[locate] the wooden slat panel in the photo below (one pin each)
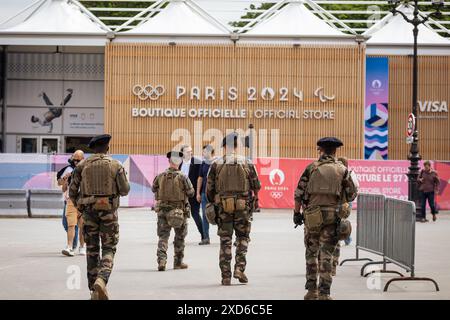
(340, 70)
(434, 84)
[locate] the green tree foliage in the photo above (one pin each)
(120, 14)
(252, 15)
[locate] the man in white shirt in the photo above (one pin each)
(186, 164)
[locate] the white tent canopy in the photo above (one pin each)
(57, 22)
(394, 35)
(180, 18)
(294, 20)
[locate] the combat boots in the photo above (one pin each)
(226, 281)
(178, 264)
(311, 295)
(162, 265)
(100, 291)
(240, 275)
(94, 295)
(324, 296)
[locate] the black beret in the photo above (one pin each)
(230, 140)
(174, 154)
(102, 139)
(330, 142)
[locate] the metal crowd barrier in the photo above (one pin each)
(386, 227)
(46, 203)
(13, 203)
(369, 227)
(400, 239)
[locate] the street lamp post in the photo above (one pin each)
(414, 156)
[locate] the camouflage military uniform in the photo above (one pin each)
(163, 207)
(320, 245)
(99, 206)
(238, 221)
(336, 255)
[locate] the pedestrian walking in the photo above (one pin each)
(190, 167)
(97, 183)
(322, 189)
(72, 220)
(172, 190)
(208, 158)
(230, 182)
(428, 181)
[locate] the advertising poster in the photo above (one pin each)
(34, 120)
(443, 195)
(279, 178)
(376, 109)
(382, 177)
(83, 121)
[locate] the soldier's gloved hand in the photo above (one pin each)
(298, 218)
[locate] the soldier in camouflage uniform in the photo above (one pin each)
(323, 187)
(232, 186)
(97, 182)
(172, 190)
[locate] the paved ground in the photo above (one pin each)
(31, 266)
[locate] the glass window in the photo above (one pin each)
(28, 145)
(49, 145)
(77, 143)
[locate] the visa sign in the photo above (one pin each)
(433, 106)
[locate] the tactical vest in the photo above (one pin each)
(232, 177)
(326, 178)
(98, 177)
(171, 187)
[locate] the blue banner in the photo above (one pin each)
(376, 109)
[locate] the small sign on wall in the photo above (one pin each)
(83, 121)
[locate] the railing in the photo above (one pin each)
(386, 227)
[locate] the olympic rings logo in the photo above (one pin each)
(148, 92)
(276, 195)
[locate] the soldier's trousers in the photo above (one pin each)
(104, 226)
(336, 255)
(320, 247)
(163, 232)
(239, 222)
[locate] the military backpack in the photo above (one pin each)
(232, 181)
(232, 178)
(98, 177)
(326, 178)
(171, 187)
